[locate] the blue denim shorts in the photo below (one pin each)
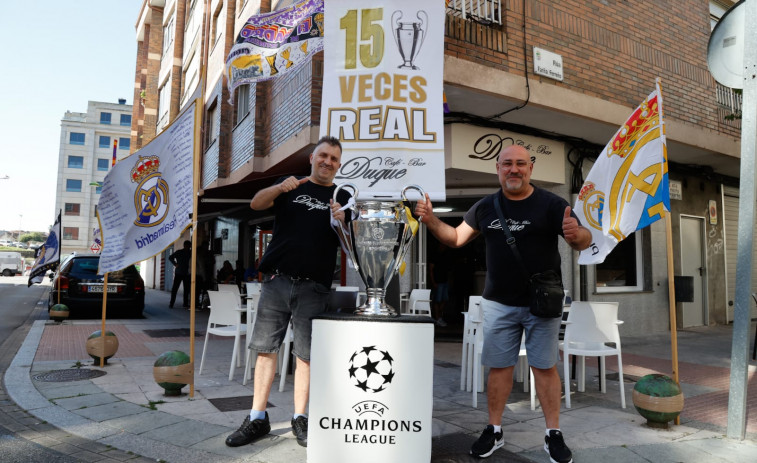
(283, 298)
(503, 330)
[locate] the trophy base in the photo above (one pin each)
(408, 66)
(376, 306)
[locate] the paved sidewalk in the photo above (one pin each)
(125, 411)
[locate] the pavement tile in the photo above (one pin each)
(112, 410)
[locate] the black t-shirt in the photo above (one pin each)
(181, 258)
(303, 243)
(535, 223)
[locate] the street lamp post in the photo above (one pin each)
(20, 216)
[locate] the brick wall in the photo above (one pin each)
(289, 104)
(611, 49)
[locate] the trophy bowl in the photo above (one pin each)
(377, 239)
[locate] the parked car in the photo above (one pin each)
(11, 263)
(81, 288)
(7, 243)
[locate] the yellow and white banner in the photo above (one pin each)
(627, 188)
(382, 94)
(146, 199)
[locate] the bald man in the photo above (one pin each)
(536, 218)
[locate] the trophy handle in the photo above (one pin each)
(342, 230)
(395, 22)
(424, 22)
(413, 187)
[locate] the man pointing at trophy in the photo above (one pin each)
(534, 218)
(297, 267)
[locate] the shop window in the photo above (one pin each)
(622, 270)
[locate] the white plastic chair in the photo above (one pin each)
(521, 368)
(225, 319)
(466, 367)
(234, 289)
(420, 302)
(589, 328)
(287, 347)
(253, 299)
(476, 320)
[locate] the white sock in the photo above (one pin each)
(297, 415)
(551, 429)
(257, 415)
(497, 428)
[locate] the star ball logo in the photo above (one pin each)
(151, 195)
(371, 369)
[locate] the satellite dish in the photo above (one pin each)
(725, 52)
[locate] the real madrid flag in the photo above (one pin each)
(627, 188)
(48, 255)
(146, 198)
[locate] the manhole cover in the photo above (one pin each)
(73, 374)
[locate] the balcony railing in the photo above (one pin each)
(482, 11)
(729, 106)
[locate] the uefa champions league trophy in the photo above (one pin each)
(409, 37)
(377, 239)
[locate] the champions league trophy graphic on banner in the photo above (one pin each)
(409, 37)
(377, 240)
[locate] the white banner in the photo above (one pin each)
(627, 188)
(146, 199)
(382, 94)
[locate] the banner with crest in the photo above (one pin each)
(382, 94)
(47, 256)
(146, 199)
(273, 43)
(627, 188)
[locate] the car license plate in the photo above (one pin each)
(99, 289)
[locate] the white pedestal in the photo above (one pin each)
(371, 389)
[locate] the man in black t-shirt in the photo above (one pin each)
(297, 269)
(536, 218)
(181, 276)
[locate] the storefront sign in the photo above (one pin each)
(476, 148)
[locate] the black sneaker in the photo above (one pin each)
(249, 431)
(300, 430)
(487, 443)
(555, 446)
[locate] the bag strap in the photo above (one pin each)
(508, 234)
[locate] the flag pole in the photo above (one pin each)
(60, 246)
(199, 109)
(102, 329)
(671, 269)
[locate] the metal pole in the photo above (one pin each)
(741, 322)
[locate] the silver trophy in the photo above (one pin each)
(409, 37)
(377, 239)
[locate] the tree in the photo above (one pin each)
(33, 236)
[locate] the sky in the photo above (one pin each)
(75, 51)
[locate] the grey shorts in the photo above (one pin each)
(281, 299)
(503, 330)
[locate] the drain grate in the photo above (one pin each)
(232, 404)
(72, 374)
(172, 333)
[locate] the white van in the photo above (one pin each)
(11, 263)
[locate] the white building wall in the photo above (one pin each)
(89, 124)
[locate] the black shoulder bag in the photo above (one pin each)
(545, 289)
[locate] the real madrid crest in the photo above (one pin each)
(151, 195)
